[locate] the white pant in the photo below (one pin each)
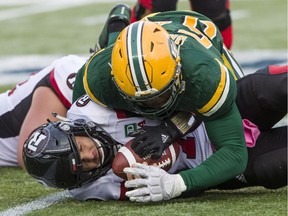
(8, 151)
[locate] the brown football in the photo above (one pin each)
(125, 157)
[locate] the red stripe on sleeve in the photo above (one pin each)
(55, 86)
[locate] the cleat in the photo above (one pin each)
(120, 12)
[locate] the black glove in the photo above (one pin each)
(153, 140)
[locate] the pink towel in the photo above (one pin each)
(251, 133)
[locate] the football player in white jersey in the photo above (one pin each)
(85, 168)
(30, 103)
(118, 125)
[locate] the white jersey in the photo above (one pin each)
(15, 103)
(195, 147)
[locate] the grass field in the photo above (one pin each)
(44, 29)
(258, 24)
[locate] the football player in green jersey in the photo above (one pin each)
(218, 11)
(173, 66)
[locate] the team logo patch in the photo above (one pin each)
(130, 128)
(71, 80)
(37, 143)
(83, 101)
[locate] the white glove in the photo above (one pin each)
(155, 185)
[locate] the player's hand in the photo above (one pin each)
(153, 140)
(154, 185)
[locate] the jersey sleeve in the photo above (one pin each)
(108, 187)
(62, 77)
(84, 108)
(216, 92)
(229, 160)
(213, 90)
(95, 80)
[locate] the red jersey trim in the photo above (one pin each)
(120, 114)
(57, 90)
(123, 190)
(273, 69)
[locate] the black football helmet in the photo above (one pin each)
(51, 155)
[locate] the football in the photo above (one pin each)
(125, 157)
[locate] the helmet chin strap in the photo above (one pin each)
(62, 118)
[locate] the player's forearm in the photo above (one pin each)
(221, 166)
(230, 158)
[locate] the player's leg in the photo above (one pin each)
(145, 7)
(219, 13)
(262, 96)
(8, 151)
(118, 19)
(267, 162)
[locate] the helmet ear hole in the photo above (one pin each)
(120, 53)
(151, 47)
(156, 30)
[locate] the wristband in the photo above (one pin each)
(183, 121)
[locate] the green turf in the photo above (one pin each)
(59, 32)
(17, 187)
(63, 32)
(6, 87)
(244, 202)
(265, 27)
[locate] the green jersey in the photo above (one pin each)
(209, 72)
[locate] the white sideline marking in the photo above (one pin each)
(36, 204)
